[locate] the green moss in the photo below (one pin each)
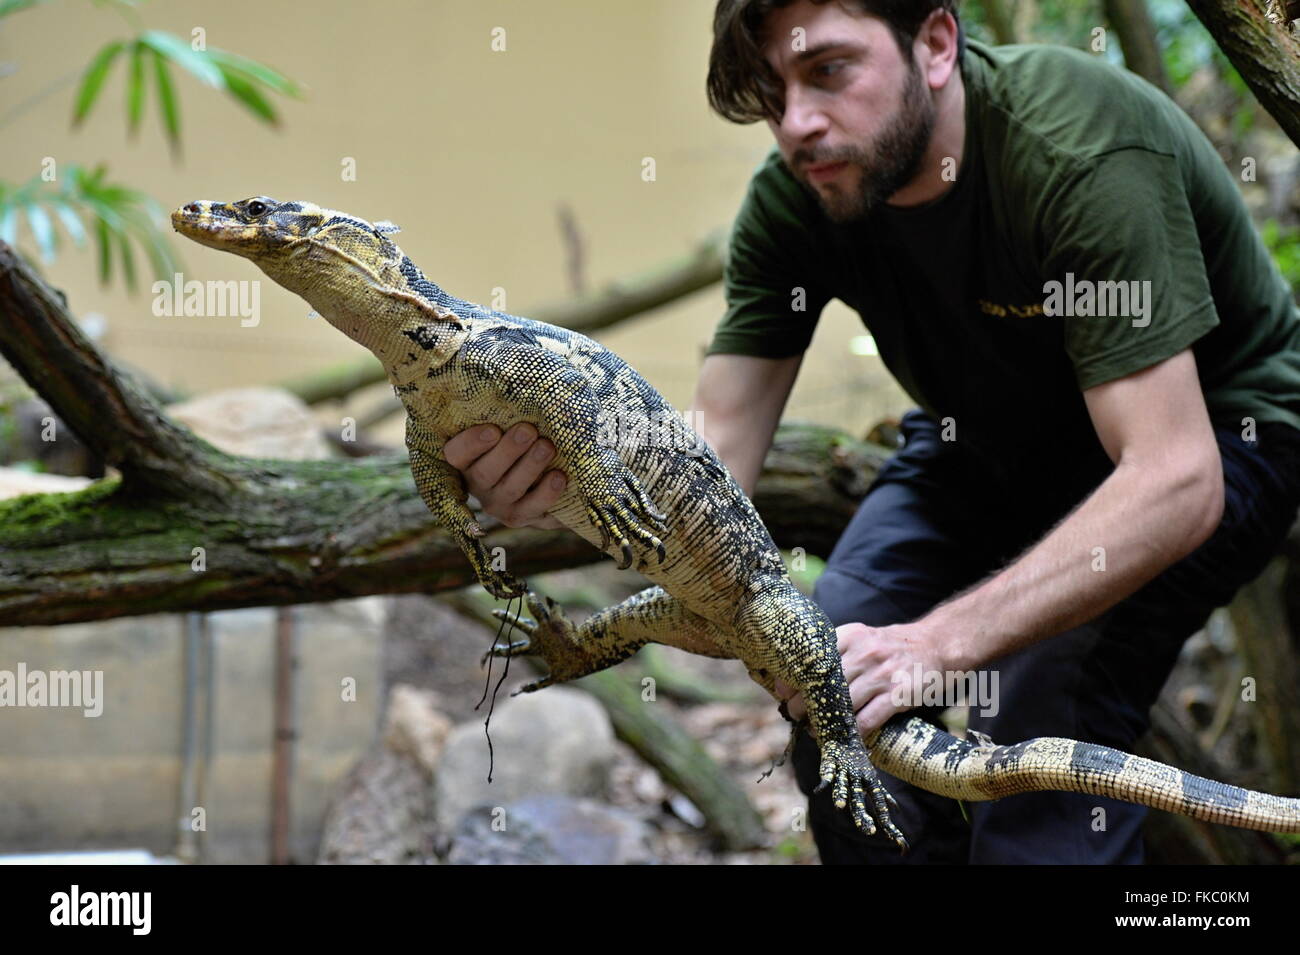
(36, 512)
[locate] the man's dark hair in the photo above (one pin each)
(743, 87)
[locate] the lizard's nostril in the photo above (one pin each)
(193, 207)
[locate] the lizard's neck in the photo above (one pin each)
(390, 309)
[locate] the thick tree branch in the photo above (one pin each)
(304, 531)
(1264, 52)
(107, 409)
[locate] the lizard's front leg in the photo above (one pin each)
(443, 491)
(539, 384)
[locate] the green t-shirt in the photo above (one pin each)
(1073, 171)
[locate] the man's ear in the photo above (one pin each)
(937, 47)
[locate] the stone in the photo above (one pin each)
(550, 830)
(556, 741)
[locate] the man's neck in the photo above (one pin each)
(942, 159)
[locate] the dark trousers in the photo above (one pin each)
(931, 525)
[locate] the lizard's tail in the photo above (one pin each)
(924, 755)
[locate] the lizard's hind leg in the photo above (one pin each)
(606, 638)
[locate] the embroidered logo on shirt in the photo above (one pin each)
(1002, 311)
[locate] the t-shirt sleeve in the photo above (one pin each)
(1124, 226)
(773, 297)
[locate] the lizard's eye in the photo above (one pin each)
(256, 209)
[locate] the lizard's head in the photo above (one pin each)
(263, 229)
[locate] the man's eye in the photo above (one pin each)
(828, 69)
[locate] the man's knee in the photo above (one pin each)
(1056, 828)
(845, 598)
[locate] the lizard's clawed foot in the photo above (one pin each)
(549, 635)
(848, 769)
(495, 581)
(618, 507)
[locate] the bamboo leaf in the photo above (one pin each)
(243, 90)
(180, 53)
(13, 6)
(87, 204)
(128, 260)
(104, 243)
(135, 88)
(258, 72)
(93, 80)
(71, 222)
(38, 220)
(167, 101)
(8, 225)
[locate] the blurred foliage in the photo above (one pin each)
(1284, 246)
(118, 215)
(78, 202)
(1185, 43)
(804, 569)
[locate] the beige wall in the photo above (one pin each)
(470, 151)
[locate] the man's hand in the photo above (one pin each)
(880, 664)
(505, 473)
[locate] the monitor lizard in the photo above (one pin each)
(646, 490)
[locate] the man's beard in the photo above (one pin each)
(885, 165)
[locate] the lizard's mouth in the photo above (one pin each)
(196, 221)
(211, 224)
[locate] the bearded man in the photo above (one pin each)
(1058, 268)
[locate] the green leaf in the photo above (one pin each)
(38, 220)
(135, 87)
(167, 100)
(180, 53)
(116, 216)
(244, 91)
(103, 241)
(13, 6)
(128, 260)
(257, 72)
(8, 225)
(93, 80)
(71, 223)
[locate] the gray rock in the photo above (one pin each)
(557, 741)
(258, 422)
(383, 812)
(381, 815)
(550, 830)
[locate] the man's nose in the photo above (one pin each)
(803, 117)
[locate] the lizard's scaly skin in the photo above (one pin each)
(647, 491)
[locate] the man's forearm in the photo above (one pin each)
(1129, 530)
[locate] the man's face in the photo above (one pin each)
(858, 116)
